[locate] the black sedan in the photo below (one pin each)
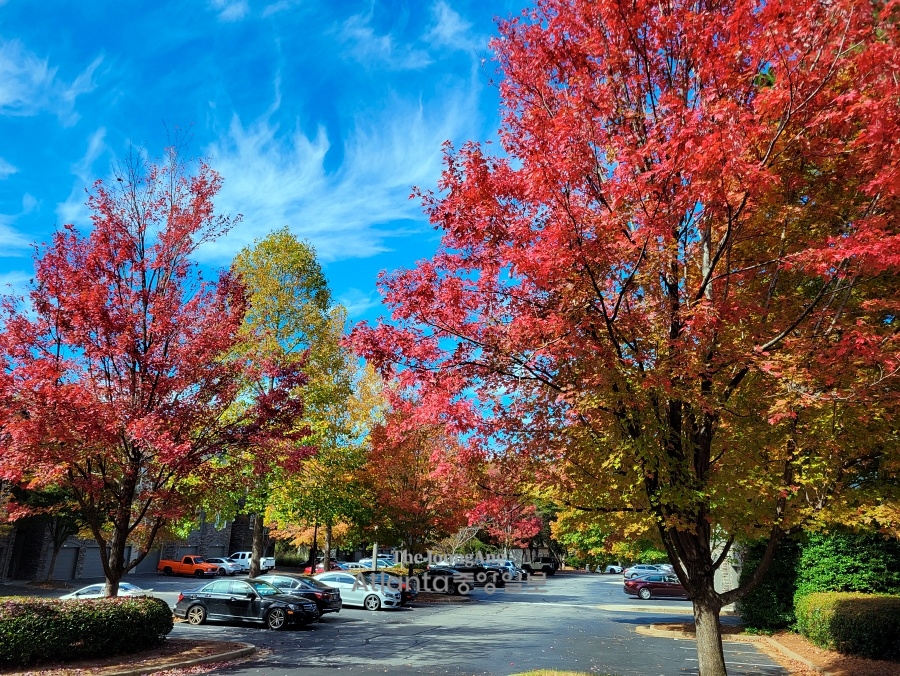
(328, 599)
(244, 601)
(478, 575)
(443, 580)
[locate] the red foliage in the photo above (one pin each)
(506, 520)
(680, 284)
(412, 470)
(116, 379)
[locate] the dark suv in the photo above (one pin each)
(542, 564)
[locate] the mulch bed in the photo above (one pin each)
(688, 627)
(428, 597)
(172, 651)
(834, 662)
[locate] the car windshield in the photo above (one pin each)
(313, 582)
(263, 588)
(381, 577)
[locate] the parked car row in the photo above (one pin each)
(245, 601)
(198, 566)
(279, 600)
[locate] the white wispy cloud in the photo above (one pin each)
(370, 48)
(6, 169)
(277, 178)
(29, 85)
(74, 210)
(230, 10)
(279, 6)
(359, 302)
(451, 30)
(13, 242)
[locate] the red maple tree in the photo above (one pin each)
(419, 490)
(116, 383)
(679, 289)
(507, 520)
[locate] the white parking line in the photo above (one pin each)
(725, 650)
(740, 664)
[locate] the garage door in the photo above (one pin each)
(148, 565)
(186, 551)
(65, 563)
(215, 551)
(93, 566)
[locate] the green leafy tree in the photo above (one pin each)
(344, 400)
(288, 320)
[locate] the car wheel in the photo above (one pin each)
(276, 619)
(223, 572)
(196, 615)
(645, 593)
(198, 574)
(372, 602)
(167, 571)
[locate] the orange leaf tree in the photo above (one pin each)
(679, 287)
(116, 386)
(419, 491)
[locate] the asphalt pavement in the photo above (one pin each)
(579, 622)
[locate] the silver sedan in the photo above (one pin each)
(95, 591)
(226, 565)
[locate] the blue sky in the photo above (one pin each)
(319, 114)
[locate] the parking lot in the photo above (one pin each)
(580, 622)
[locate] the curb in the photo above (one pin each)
(674, 610)
(768, 641)
(248, 649)
(784, 650)
(446, 600)
(671, 633)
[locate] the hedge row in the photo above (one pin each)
(48, 630)
(853, 623)
(819, 562)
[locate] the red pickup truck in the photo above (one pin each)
(189, 565)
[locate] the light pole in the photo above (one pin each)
(375, 550)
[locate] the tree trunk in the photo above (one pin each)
(313, 549)
(259, 545)
(53, 556)
(114, 565)
(326, 564)
(709, 635)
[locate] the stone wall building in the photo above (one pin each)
(26, 551)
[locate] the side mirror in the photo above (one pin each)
(251, 595)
